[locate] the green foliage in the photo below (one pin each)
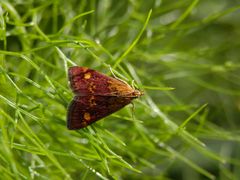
(183, 54)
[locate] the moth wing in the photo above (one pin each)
(85, 81)
(85, 110)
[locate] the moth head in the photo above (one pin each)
(137, 93)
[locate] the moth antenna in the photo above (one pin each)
(117, 77)
(133, 107)
(132, 84)
(110, 68)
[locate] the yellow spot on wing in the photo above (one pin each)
(87, 116)
(84, 124)
(87, 75)
(92, 101)
(91, 87)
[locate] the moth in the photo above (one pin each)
(96, 96)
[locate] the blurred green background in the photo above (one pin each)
(183, 54)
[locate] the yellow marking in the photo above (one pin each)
(84, 124)
(87, 75)
(87, 116)
(91, 87)
(92, 101)
(91, 90)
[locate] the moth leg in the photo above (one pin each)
(133, 108)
